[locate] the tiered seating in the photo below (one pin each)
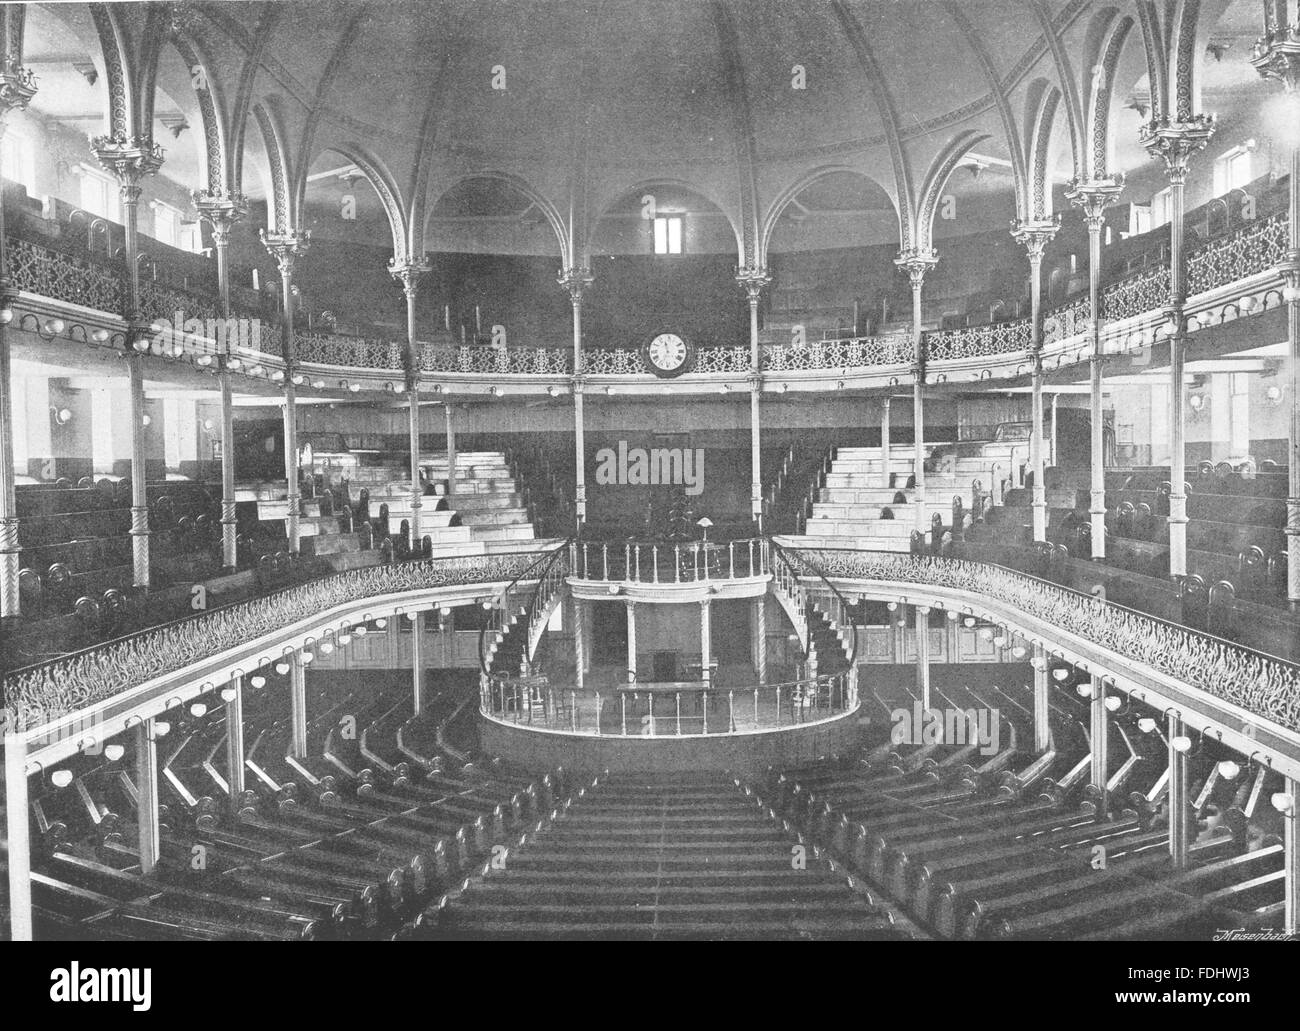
(76, 545)
(1235, 532)
(1008, 844)
(486, 495)
(686, 856)
(341, 843)
(850, 507)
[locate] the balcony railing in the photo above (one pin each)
(40, 693)
(1258, 683)
(95, 282)
(667, 710)
(668, 563)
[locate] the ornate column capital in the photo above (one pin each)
(1094, 195)
(127, 159)
(752, 280)
(1276, 54)
(1035, 234)
(17, 87)
(221, 210)
(1176, 142)
(575, 280)
(286, 247)
(408, 273)
(916, 263)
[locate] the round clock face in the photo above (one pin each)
(667, 353)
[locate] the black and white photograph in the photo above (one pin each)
(651, 470)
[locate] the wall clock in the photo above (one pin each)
(668, 354)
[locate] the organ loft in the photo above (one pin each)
(467, 473)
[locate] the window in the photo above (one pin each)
(171, 228)
(19, 164)
(98, 193)
(1232, 171)
(1160, 207)
(1139, 219)
(668, 234)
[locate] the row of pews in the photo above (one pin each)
(1013, 845)
(687, 856)
(346, 841)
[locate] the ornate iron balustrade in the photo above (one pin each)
(630, 711)
(977, 341)
(41, 693)
(854, 352)
(51, 273)
(1143, 291)
(1256, 682)
(667, 563)
(1250, 250)
(1256, 247)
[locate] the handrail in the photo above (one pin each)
(780, 552)
(666, 562)
(1253, 680)
(57, 687)
(546, 561)
(535, 703)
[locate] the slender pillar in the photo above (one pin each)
(1277, 56)
(286, 247)
(753, 280)
(1042, 702)
(139, 484)
(1099, 739)
(579, 643)
(129, 161)
(146, 789)
(1180, 799)
(922, 614)
(408, 274)
(760, 639)
(1290, 855)
(706, 642)
(417, 663)
(1176, 142)
(1035, 236)
(918, 263)
(221, 211)
(1056, 401)
(1093, 196)
(235, 741)
(18, 836)
(451, 452)
(298, 706)
(631, 641)
(885, 404)
(575, 280)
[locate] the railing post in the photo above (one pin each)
(573, 711)
(298, 705)
(637, 552)
(417, 662)
(731, 559)
(731, 712)
(235, 741)
(18, 827)
(706, 711)
(654, 555)
(678, 695)
(677, 561)
(1180, 802)
(604, 557)
(622, 701)
(146, 787)
(1099, 733)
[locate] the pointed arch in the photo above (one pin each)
(777, 208)
(548, 210)
(742, 132)
(1045, 102)
(1068, 86)
(281, 214)
(119, 87)
(1106, 37)
(385, 187)
(936, 179)
(244, 95)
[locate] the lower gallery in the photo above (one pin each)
(689, 470)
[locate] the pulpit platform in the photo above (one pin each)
(667, 726)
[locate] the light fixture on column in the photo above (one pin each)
(298, 379)
(61, 778)
(1273, 394)
(1146, 724)
(61, 416)
(198, 709)
(1085, 689)
(277, 376)
(114, 752)
(1283, 803)
(1228, 769)
(282, 667)
(229, 694)
(1197, 403)
(233, 363)
(1061, 673)
(1113, 702)
(146, 419)
(6, 315)
(98, 336)
(1181, 743)
(257, 681)
(361, 629)
(161, 728)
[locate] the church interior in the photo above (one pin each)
(650, 470)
